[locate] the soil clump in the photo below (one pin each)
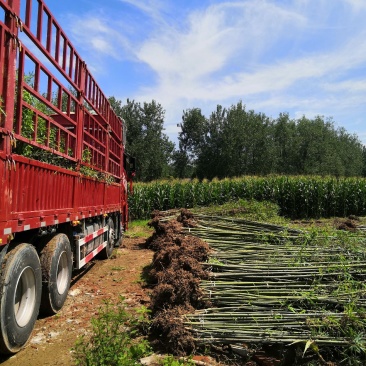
(348, 224)
(175, 273)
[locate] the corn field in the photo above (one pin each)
(296, 196)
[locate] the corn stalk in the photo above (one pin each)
(296, 197)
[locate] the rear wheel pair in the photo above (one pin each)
(110, 237)
(56, 264)
(30, 282)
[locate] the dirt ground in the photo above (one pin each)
(53, 337)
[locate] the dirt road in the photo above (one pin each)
(53, 337)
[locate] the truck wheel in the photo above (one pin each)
(20, 287)
(119, 235)
(56, 263)
(111, 238)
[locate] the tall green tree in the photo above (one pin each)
(285, 145)
(350, 150)
(211, 160)
(324, 150)
(146, 140)
(201, 142)
(249, 143)
(231, 142)
(364, 161)
(234, 142)
(191, 142)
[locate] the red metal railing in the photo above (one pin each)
(52, 107)
(55, 112)
(64, 58)
(76, 100)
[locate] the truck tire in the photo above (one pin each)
(20, 288)
(107, 251)
(56, 264)
(119, 234)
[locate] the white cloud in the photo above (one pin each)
(223, 55)
(286, 73)
(191, 65)
(152, 8)
(299, 55)
(349, 86)
(357, 4)
(213, 37)
(96, 34)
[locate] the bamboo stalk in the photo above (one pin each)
(264, 271)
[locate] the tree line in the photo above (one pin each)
(234, 142)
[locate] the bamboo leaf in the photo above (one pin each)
(307, 345)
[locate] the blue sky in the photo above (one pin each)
(304, 57)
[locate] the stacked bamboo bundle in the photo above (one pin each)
(271, 284)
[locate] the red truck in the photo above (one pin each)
(63, 169)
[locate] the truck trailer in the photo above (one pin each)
(64, 173)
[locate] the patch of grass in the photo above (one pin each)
(213, 260)
(116, 337)
(139, 229)
(115, 254)
(171, 361)
(118, 268)
(247, 209)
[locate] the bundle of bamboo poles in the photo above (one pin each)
(272, 284)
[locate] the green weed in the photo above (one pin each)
(118, 268)
(171, 361)
(139, 229)
(116, 338)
